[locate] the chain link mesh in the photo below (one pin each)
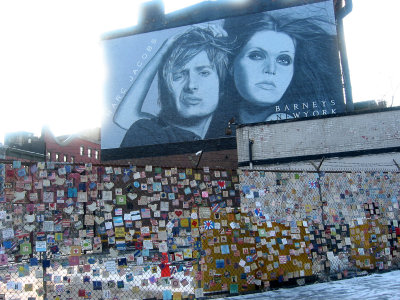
(350, 218)
(170, 233)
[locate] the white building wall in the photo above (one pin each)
(351, 141)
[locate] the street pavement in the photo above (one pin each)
(383, 286)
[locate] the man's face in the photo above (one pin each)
(195, 87)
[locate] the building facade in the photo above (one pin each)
(352, 140)
(77, 148)
(83, 147)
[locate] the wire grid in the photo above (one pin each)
(22, 280)
(367, 202)
(262, 240)
(282, 197)
(247, 259)
(285, 227)
(100, 276)
(350, 219)
(96, 277)
(74, 232)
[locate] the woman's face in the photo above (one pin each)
(263, 69)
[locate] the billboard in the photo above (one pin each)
(179, 87)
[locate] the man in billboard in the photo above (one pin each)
(191, 74)
(282, 64)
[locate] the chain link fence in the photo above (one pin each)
(21, 279)
(350, 219)
(106, 232)
(101, 276)
(101, 232)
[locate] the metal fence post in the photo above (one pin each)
(44, 275)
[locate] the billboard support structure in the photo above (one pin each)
(174, 90)
(343, 12)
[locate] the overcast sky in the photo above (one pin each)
(51, 63)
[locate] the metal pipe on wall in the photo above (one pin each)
(344, 11)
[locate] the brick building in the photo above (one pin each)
(81, 147)
(270, 152)
(222, 159)
(12, 153)
(349, 141)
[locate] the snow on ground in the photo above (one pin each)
(377, 286)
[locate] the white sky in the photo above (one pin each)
(51, 68)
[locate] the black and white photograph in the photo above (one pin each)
(185, 84)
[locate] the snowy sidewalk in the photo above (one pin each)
(377, 286)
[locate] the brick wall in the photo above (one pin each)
(345, 135)
(223, 159)
(71, 148)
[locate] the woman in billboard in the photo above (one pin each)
(282, 68)
(191, 71)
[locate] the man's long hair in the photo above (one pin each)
(185, 48)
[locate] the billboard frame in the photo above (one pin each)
(176, 20)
